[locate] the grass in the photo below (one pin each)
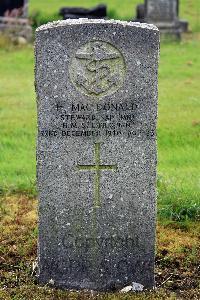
(18, 120)
(176, 260)
(178, 128)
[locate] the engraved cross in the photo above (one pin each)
(97, 167)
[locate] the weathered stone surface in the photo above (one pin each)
(163, 14)
(96, 84)
(162, 10)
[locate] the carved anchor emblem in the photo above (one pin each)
(100, 68)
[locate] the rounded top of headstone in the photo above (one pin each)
(71, 22)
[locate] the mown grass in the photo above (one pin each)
(18, 120)
(179, 130)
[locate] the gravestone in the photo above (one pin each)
(14, 18)
(161, 11)
(97, 12)
(164, 14)
(96, 84)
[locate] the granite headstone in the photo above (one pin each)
(161, 10)
(97, 12)
(164, 14)
(96, 84)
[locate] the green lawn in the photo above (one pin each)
(179, 114)
(121, 9)
(18, 120)
(179, 126)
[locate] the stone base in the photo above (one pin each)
(183, 25)
(16, 27)
(174, 28)
(167, 29)
(172, 33)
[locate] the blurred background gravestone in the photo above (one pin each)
(164, 14)
(97, 12)
(14, 19)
